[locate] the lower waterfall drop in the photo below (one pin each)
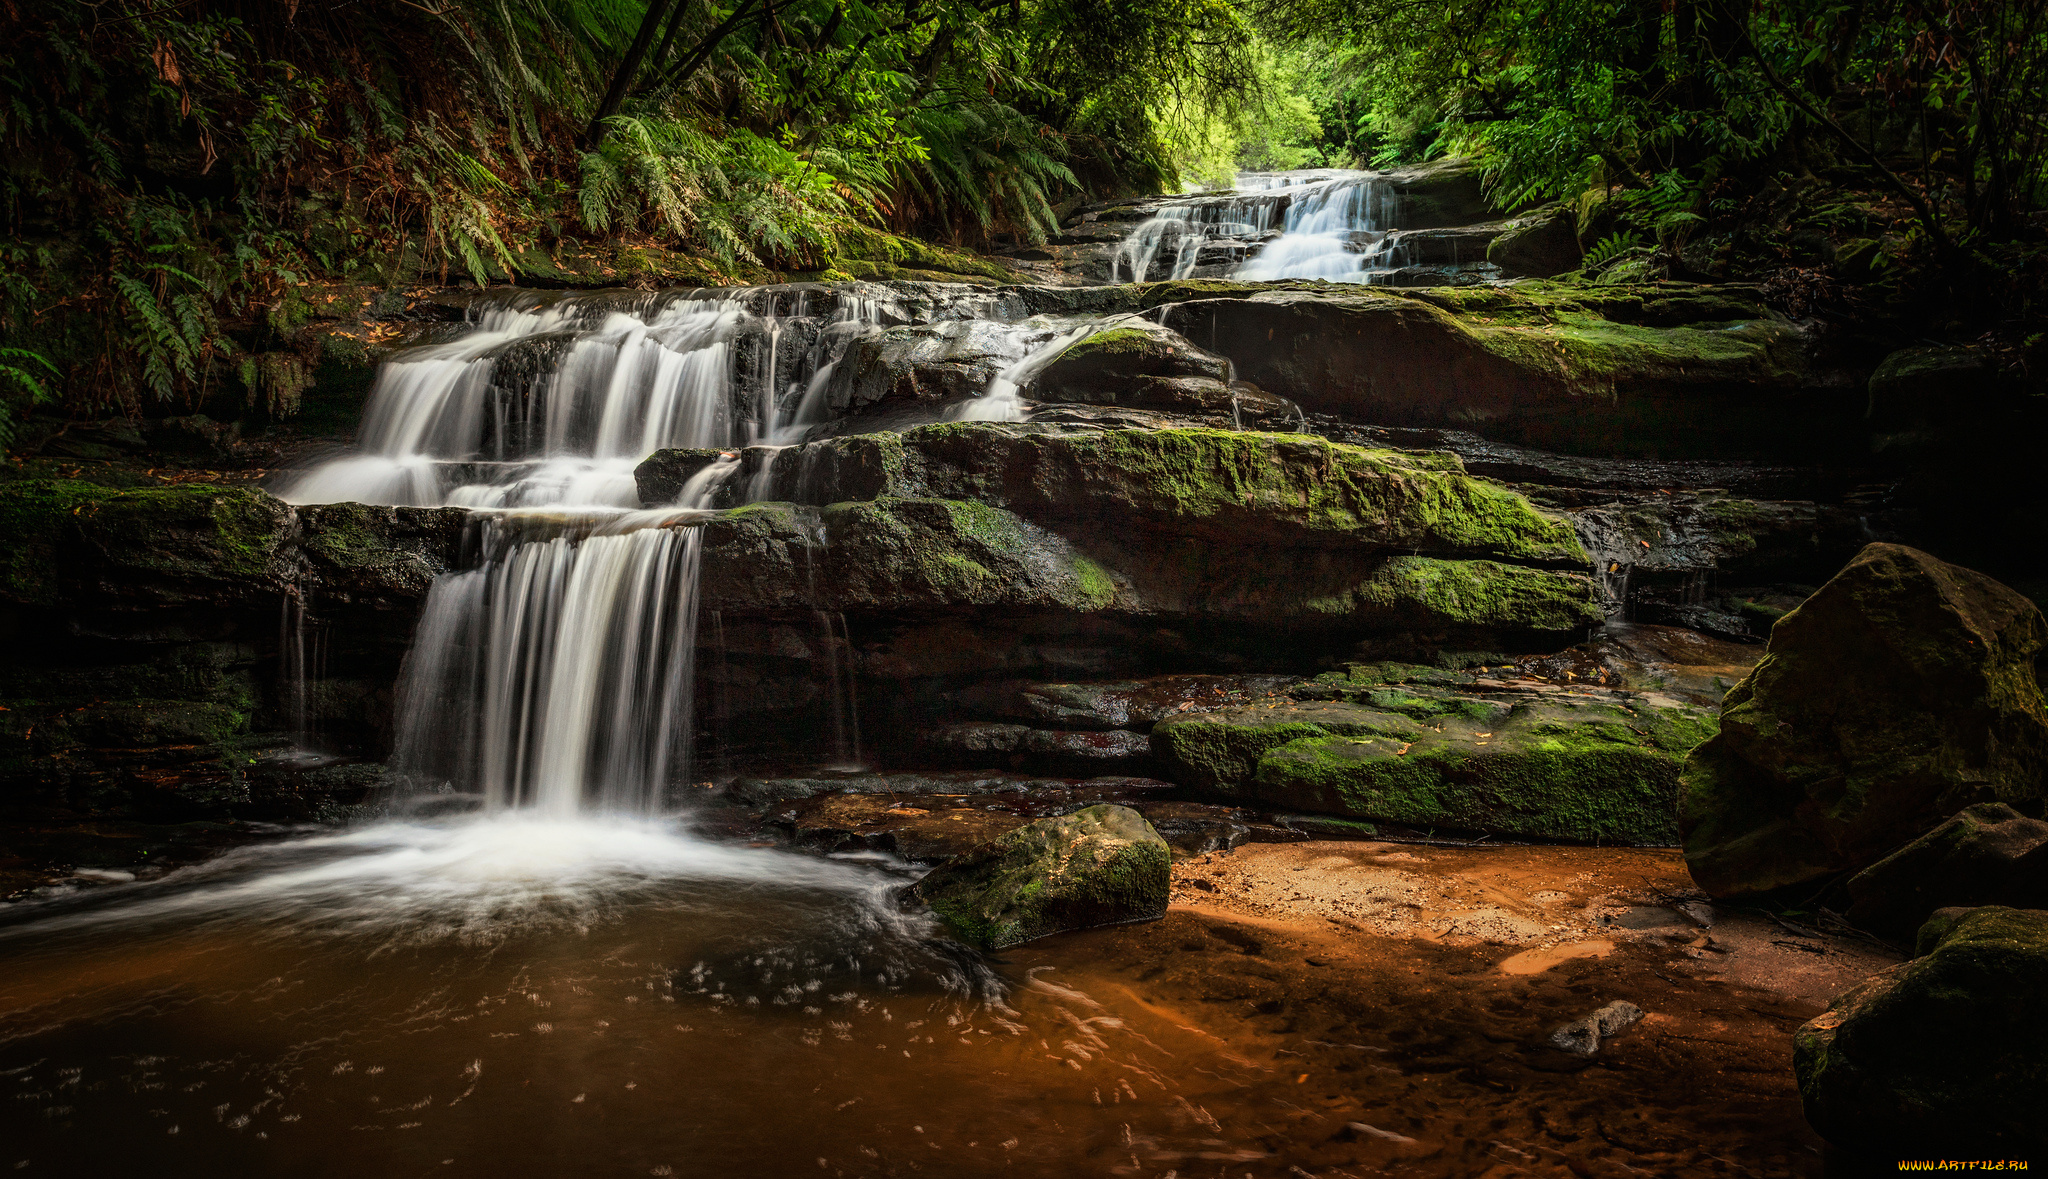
(557, 675)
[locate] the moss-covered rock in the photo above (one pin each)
(1547, 366)
(877, 256)
(1135, 362)
(1540, 244)
(1407, 748)
(145, 546)
(1901, 692)
(1101, 865)
(1946, 1055)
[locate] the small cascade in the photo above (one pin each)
(1003, 401)
(836, 656)
(540, 406)
(301, 661)
(1334, 230)
(556, 675)
(1180, 232)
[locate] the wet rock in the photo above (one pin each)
(1583, 1036)
(1583, 764)
(1442, 192)
(1125, 704)
(978, 739)
(1943, 1055)
(1539, 244)
(1979, 857)
(1113, 364)
(1934, 385)
(925, 363)
(1102, 865)
(1129, 522)
(1901, 692)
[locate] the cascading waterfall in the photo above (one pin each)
(538, 407)
(1185, 229)
(1332, 225)
(556, 675)
(1333, 230)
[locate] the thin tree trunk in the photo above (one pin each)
(650, 23)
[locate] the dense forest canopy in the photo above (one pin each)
(175, 170)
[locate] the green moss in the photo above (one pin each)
(1227, 479)
(1099, 865)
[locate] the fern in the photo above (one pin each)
(1613, 246)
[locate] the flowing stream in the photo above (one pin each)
(538, 968)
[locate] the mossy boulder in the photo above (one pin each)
(60, 540)
(1101, 865)
(1936, 385)
(1135, 362)
(1157, 522)
(1899, 693)
(1403, 746)
(1988, 854)
(1946, 1055)
(1550, 366)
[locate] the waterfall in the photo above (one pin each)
(556, 675)
(539, 407)
(1185, 229)
(1333, 230)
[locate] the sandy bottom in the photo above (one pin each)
(1391, 1006)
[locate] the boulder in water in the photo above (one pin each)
(1945, 1054)
(1101, 865)
(1899, 693)
(1988, 854)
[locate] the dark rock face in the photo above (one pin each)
(1899, 693)
(1988, 854)
(1927, 386)
(1136, 363)
(1101, 865)
(1943, 1055)
(146, 676)
(1541, 244)
(1431, 749)
(924, 363)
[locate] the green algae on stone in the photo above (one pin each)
(1945, 1055)
(1589, 768)
(1900, 692)
(1101, 865)
(163, 544)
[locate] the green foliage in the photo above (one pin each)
(1613, 246)
(176, 173)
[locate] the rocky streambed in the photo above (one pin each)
(1375, 642)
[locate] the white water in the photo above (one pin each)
(1332, 231)
(539, 407)
(1003, 401)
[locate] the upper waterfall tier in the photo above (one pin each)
(1385, 228)
(544, 400)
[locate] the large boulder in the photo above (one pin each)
(1899, 693)
(1943, 1055)
(1988, 854)
(1541, 244)
(1449, 191)
(1431, 749)
(930, 363)
(1136, 363)
(1559, 368)
(1101, 865)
